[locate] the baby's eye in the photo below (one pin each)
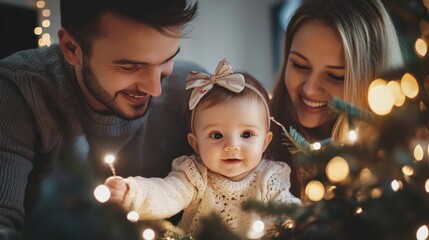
(246, 135)
(216, 135)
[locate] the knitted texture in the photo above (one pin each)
(197, 190)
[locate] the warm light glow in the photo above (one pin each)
(396, 185)
(102, 193)
(398, 95)
(46, 36)
(422, 233)
(376, 193)
(133, 216)
(38, 30)
(366, 177)
(46, 13)
(316, 146)
(352, 135)
(40, 4)
(427, 186)
(109, 159)
(288, 224)
(409, 85)
(46, 23)
(148, 234)
(359, 210)
(420, 47)
(315, 190)
(258, 226)
(337, 169)
(418, 152)
(408, 170)
(380, 98)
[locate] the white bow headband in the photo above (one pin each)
(225, 77)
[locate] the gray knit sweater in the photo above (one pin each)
(42, 112)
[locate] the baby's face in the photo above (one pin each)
(231, 137)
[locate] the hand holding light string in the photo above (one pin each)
(109, 159)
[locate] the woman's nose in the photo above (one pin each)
(312, 85)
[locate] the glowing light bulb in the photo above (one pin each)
(46, 23)
(422, 233)
(380, 97)
(315, 190)
(40, 4)
(46, 12)
(418, 152)
(396, 185)
(133, 216)
(102, 193)
(337, 169)
(316, 146)
(398, 95)
(420, 47)
(359, 210)
(38, 30)
(409, 85)
(408, 170)
(148, 234)
(352, 135)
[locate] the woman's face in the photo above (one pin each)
(314, 72)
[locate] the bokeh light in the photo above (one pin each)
(337, 169)
(315, 190)
(409, 85)
(102, 193)
(380, 98)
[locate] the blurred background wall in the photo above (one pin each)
(239, 30)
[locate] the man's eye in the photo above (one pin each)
(246, 135)
(129, 68)
(216, 135)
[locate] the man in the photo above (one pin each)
(96, 93)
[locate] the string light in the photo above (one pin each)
(420, 47)
(133, 216)
(422, 233)
(337, 169)
(257, 230)
(408, 170)
(398, 95)
(148, 234)
(418, 152)
(396, 185)
(102, 193)
(45, 40)
(409, 85)
(352, 135)
(380, 98)
(315, 190)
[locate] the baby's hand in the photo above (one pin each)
(118, 188)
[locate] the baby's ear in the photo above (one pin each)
(192, 140)
(268, 139)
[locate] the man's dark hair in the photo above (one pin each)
(81, 18)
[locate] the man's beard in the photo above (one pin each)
(93, 86)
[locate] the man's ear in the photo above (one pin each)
(268, 139)
(192, 140)
(70, 48)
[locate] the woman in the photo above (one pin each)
(333, 48)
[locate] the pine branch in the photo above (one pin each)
(294, 141)
(350, 110)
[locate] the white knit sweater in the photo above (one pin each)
(199, 192)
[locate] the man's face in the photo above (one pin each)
(125, 66)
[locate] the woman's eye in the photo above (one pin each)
(246, 135)
(299, 66)
(216, 135)
(336, 77)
